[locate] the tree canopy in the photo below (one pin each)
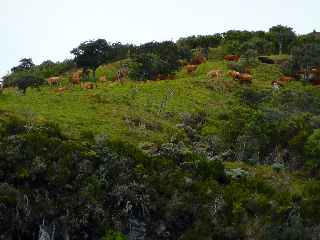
(91, 54)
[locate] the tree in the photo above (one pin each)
(146, 66)
(25, 64)
(283, 36)
(23, 82)
(154, 58)
(306, 57)
(91, 54)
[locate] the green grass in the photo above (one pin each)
(136, 112)
(146, 112)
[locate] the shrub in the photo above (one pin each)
(312, 146)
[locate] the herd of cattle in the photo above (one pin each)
(246, 77)
(242, 77)
(76, 79)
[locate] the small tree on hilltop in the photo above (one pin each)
(25, 64)
(283, 36)
(91, 54)
(24, 82)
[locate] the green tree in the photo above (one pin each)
(283, 36)
(26, 81)
(306, 57)
(91, 54)
(25, 64)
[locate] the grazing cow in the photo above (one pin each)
(266, 60)
(316, 73)
(233, 74)
(122, 73)
(232, 58)
(198, 60)
(87, 85)
(191, 68)
(162, 77)
(103, 79)
(76, 78)
(60, 90)
(53, 80)
(215, 74)
(286, 79)
(244, 78)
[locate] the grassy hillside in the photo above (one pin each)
(135, 111)
(225, 160)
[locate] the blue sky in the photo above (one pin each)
(49, 29)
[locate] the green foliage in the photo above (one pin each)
(25, 81)
(261, 45)
(114, 236)
(312, 146)
(305, 58)
(240, 66)
(283, 37)
(193, 42)
(145, 67)
(25, 64)
(153, 59)
(91, 54)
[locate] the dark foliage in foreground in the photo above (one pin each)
(99, 189)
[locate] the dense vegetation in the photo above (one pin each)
(190, 157)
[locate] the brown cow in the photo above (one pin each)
(233, 74)
(233, 58)
(53, 80)
(122, 73)
(103, 79)
(191, 68)
(215, 74)
(76, 78)
(87, 85)
(60, 90)
(244, 78)
(286, 79)
(162, 77)
(198, 60)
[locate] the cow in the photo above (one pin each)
(53, 80)
(123, 72)
(76, 78)
(215, 74)
(103, 79)
(191, 68)
(162, 77)
(87, 85)
(60, 90)
(266, 60)
(286, 79)
(232, 58)
(198, 60)
(233, 74)
(244, 78)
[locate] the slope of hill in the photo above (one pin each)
(134, 111)
(190, 158)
